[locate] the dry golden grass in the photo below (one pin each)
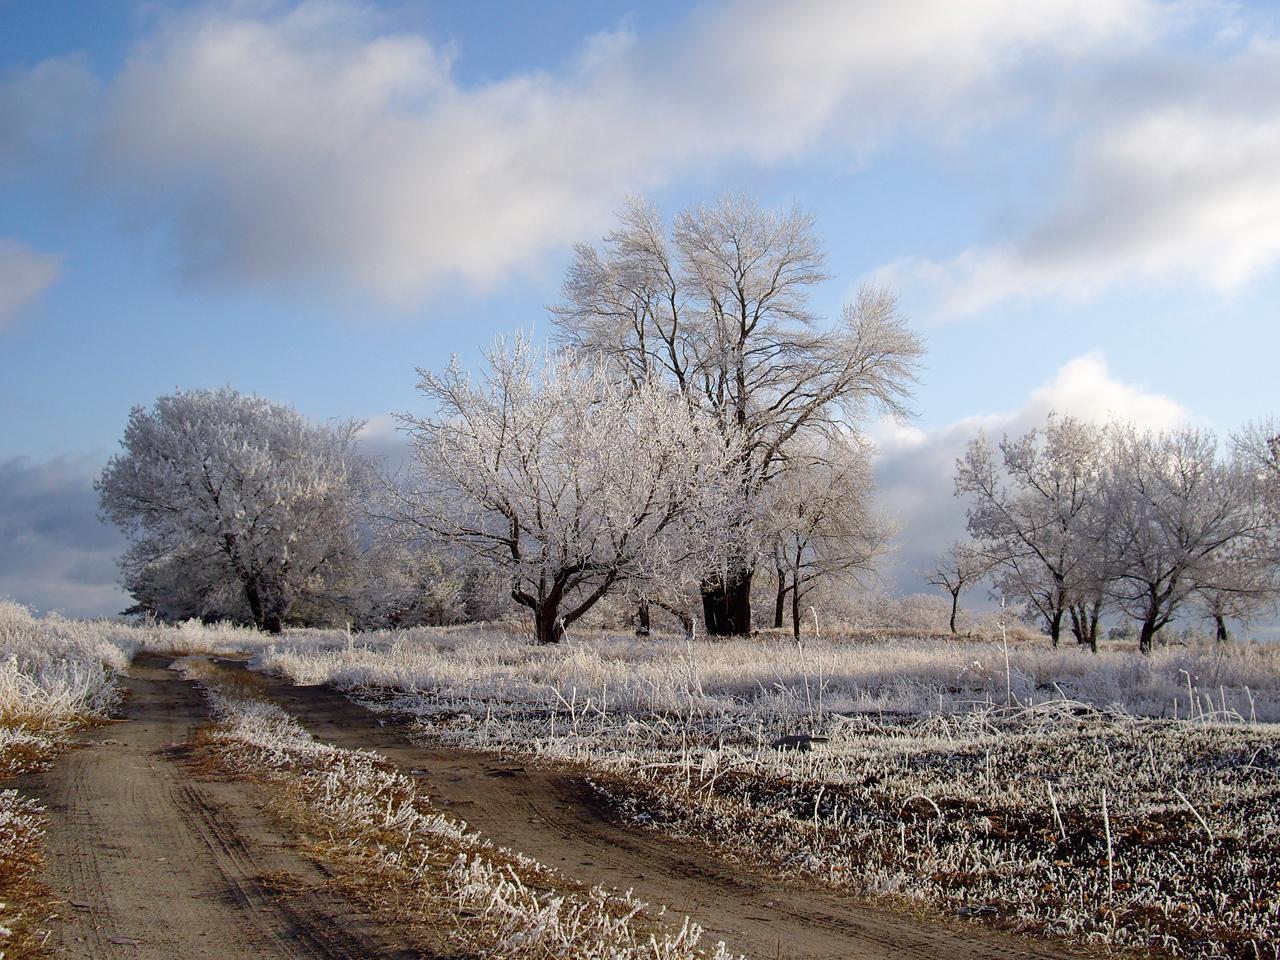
(25, 901)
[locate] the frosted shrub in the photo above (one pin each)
(53, 670)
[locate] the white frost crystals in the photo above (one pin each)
(948, 779)
(499, 903)
(570, 481)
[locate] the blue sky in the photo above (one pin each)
(1077, 202)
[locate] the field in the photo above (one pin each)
(1113, 802)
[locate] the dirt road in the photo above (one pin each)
(157, 864)
(557, 819)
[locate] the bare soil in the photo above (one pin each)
(554, 816)
(153, 861)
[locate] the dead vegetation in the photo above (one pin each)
(405, 862)
(55, 676)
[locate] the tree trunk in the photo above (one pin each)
(955, 604)
(1221, 622)
(1147, 635)
(273, 623)
(548, 624)
(681, 614)
(1055, 626)
(1077, 625)
(780, 604)
(726, 605)
(642, 619)
(256, 608)
(795, 614)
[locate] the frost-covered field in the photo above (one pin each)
(775, 678)
(390, 845)
(54, 675)
(1115, 799)
(1112, 799)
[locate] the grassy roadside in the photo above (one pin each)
(55, 677)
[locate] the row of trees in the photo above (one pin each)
(696, 423)
(1075, 520)
(696, 427)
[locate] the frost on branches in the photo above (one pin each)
(573, 483)
(717, 308)
(234, 505)
(1077, 520)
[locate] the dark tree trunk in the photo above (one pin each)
(1221, 622)
(1095, 619)
(642, 620)
(780, 604)
(681, 614)
(273, 623)
(257, 609)
(955, 605)
(1146, 637)
(795, 614)
(726, 606)
(1077, 626)
(1084, 623)
(1055, 626)
(548, 624)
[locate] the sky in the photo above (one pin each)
(1077, 201)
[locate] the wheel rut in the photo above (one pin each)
(156, 863)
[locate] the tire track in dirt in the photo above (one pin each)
(555, 817)
(155, 864)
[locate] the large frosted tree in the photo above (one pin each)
(717, 307)
(569, 482)
(232, 503)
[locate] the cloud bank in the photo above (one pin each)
(1176, 182)
(315, 144)
(55, 554)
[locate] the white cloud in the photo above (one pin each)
(313, 148)
(24, 275)
(1174, 184)
(915, 469)
(1085, 388)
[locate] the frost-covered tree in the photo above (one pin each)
(1256, 448)
(1032, 510)
(821, 524)
(960, 568)
(1175, 515)
(233, 502)
(717, 308)
(569, 482)
(406, 584)
(1240, 583)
